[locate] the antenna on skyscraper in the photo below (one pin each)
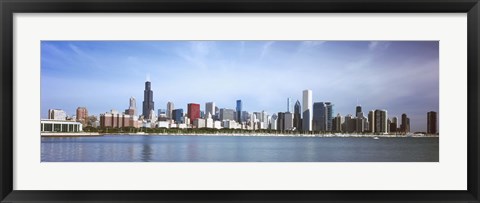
(148, 77)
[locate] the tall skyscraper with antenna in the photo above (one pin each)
(148, 104)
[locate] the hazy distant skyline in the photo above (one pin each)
(399, 76)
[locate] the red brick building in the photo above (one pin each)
(193, 111)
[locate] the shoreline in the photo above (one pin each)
(234, 135)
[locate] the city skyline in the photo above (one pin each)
(384, 71)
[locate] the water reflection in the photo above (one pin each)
(236, 149)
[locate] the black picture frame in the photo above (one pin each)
(9, 7)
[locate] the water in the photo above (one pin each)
(237, 149)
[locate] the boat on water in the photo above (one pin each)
(376, 138)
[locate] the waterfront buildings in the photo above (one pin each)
(317, 117)
(193, 111)
(307, 110)
(148, 104)
(114, 119)
(82, 115)
(57, 114)
(60, 126)
(432, 122)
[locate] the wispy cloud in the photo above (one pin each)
(197, 53)
(265, 49)
(378, 45)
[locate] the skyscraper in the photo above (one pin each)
(307, 110)
(371, 121)
(329, 109)
(405, 126)
(358, 109)
(133, 103)
(288, 104)
(393, 124)
(82, 115)
(297, 118)
(339, 120)
(319, 120)
(227, 114)
(132, 107)
(288, 121)
(281, 121)
(238, 117)
(273, 122)
(148, 104)
(210, 108)
(193, 111)
(170, 108)
(177, 115)
(381, 124)
(432, 122)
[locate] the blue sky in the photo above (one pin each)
(400, 76)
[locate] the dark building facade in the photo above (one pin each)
(238, 116)
(177, 115)
(297, 119)
(405, 126)
(281, 121)
(358, 110)
(148, 104)
(432, 122)
(319, 121)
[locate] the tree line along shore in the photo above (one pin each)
(90, 131)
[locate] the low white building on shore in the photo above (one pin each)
(49, 125)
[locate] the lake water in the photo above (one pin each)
(118, 148)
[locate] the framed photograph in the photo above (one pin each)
(259, 101)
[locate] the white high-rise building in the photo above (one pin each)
(307, 110)
(209, 121)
